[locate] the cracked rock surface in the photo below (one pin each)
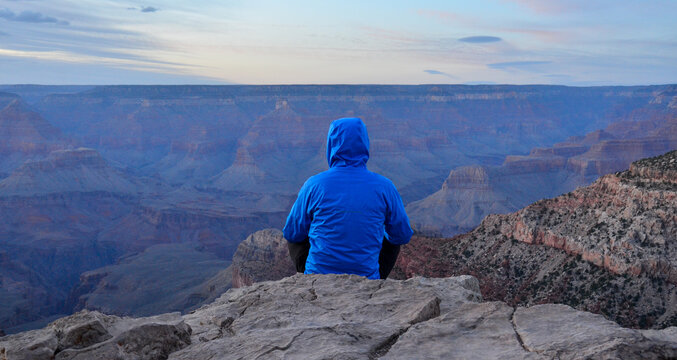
(559, 331)
(350, 317)
(470, 331)
(319, 317)
(347, 317)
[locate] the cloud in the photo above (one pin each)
(119, 61)
(437, 72)
(146, 9)
(522, 65)
(480, 39)
(44, 71)
(526, 28)
(29, 17)
(559, 76)
(434, 72)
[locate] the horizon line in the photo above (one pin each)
(345, 84)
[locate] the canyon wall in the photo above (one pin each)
(608, 248)
(546, 172)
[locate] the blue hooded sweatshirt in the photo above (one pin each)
(347, 210)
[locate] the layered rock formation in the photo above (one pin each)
(72, 212)
(63, 171)
(35, 93)
(546, 172)
(214, 222)
(469, 193)
(163, 278)
(24, 134)
(262, 256)
(273, 142)
(274, 135)
(50, 212)
(347, 317)
(608, 248)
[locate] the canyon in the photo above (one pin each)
(470, 193)
(103, 188)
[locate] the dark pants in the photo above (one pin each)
(386, 258)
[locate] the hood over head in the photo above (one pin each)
(347, 143)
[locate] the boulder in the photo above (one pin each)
(262, 256)
(92, 335)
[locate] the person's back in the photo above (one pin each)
(346, 210)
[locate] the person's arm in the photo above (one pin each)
(299, 219)
(397, 222)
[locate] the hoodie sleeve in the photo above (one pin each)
(397, 222)
(299, 219)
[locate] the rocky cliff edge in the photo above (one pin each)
(346, 317)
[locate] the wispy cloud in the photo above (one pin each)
(543, 32)
(145, 9)
(87, 73)
(29, 17)
(519, 65)
(560, 77)
(114, 59)
(419, 44)
(480, 39)
(442, 73)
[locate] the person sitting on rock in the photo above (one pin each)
(347, 220)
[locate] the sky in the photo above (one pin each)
(569, 42)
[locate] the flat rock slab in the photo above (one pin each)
(319, 316)
(470, 331)
(559, 331)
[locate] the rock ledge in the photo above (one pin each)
(347, 317)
